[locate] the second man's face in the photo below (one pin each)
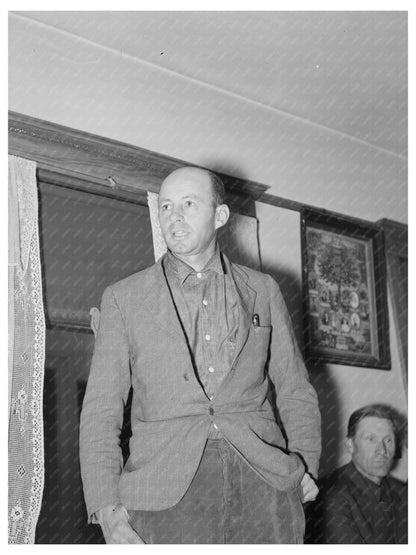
(373, 447)
(187, 216)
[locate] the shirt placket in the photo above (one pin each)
(209, 337)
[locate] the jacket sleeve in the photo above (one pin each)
(102, 412)
(296, 399)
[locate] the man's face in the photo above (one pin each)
(373, 447)
(187, 215)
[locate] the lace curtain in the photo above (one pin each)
(159, 245)
(26, 354)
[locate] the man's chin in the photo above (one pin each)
(381, 468)
(178, 248)
(176, 243)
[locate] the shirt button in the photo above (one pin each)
(208, 337)
(199, 275)
(215, 426)
(211, 369)
(205, 302)
(211, 410)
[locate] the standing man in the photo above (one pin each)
(360, 502)
(199, 339)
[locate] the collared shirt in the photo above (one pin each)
(380, 512)
(207, 307)
(357, 510)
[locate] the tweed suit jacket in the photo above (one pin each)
(140, 343)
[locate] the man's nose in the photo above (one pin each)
(382, 448)
(176, 215)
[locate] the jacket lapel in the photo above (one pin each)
(246, 297)
(158, 302)
(358, 492)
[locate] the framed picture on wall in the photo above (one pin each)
(344, 291)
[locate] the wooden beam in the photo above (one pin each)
(111, 163)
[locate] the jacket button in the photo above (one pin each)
(211, 411)
(186, 377)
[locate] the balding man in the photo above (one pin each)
(198, 339)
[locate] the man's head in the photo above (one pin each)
(371, 440)
(191, 209)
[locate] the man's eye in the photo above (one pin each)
(189, 203)
(165, 207)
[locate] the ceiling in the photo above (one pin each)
(346, 71)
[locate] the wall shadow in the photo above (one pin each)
(325, 386)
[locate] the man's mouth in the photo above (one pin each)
(179, 233)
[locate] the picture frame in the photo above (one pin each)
(345, 315)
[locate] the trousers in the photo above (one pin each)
(227, 502)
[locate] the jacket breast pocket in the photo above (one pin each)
(261, 333)
(262, 329)
(259, 343)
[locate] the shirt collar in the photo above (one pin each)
(365, 484)
(177, 267)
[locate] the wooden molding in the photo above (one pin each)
(69, 157)
(109, 164)
(396, 242)
(396, 236)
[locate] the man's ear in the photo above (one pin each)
(349, 445)
(222, 213)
